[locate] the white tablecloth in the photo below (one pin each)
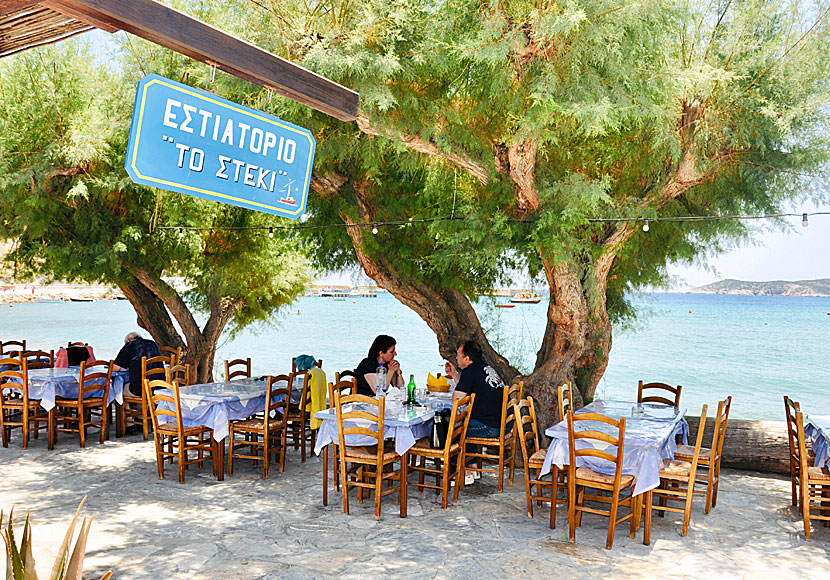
(47, 384)
(403, 424)
(649, 438)
(817, 429)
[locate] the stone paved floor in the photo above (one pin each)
(247, 527)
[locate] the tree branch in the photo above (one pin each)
(173, 301)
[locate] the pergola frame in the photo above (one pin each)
(28, 23)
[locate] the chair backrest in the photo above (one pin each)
(179, 374)
(459, 419)
(175, 354)
(238, 368)
(277, 399)
(305, 394)
(95, 376)
(597, 443)
(801, 440)
(15, 378)
(510, 395)
(369, 410)
(792, 409)
(345, 388)
(153, 368)
(71, 344)
(719, 434)
(159, 391)
(565, 396)
(659, 393)
(341, 376)
(527, 429)
(699, 443)
(12, 347)
(39, 359)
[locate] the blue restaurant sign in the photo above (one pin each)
(190, 141)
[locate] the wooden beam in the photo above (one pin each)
(7, 6)
(191, 37)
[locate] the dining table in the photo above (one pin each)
(651, 433)
(213, 405)
(817, 429)
(404, 424)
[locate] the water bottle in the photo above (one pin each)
(410, 391)
(380, 380)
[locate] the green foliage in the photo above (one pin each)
(73, 212)
(69, 562)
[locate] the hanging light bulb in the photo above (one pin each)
(270, 232)
(374, 229)
(804, 221)
(181, 232)
(645, 226)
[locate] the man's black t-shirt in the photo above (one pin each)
(367, 366)
(487, 385)
(129, 357)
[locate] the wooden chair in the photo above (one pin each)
(791, 408)
(607, 448)
(175, 354)
(343, 376)
(266, 432)
(134, 410)
(16, 408)
(345, 387)
(677, 483)
(528, 434)
(442, 458)
(39, 359)
(81, 344)
(371, 461)
(507, 437)
(12, 347)
(564, 394)
(814, 483)
(179, 374)
(710, 457)
(238, 368)
(658, 393)
(299, 417)
(75, 415)
(173, 440)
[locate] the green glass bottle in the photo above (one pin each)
(410, 391)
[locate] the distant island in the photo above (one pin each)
(772, 288)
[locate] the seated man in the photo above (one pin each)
(129, 357)
(481, 379)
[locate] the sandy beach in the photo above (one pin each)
(11, 292)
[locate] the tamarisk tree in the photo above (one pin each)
(532, 120)
(72, 212)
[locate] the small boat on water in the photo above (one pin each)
(81, 300)
(526, 297)
(505, 306)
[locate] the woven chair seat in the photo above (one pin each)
(687, 452)
(18, 403)
(537, 460)
(424, 447)
(128, 398)
(589, 476)
(370, 453)
(818, 473)
(88, 401)
(508, 436)
(675, 469)
(170, 429)
(258, 424)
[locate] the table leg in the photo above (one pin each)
(326, 474)
(404, 477)
(120, 429)
(218, 459)
(51, 429)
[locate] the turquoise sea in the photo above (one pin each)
(755, 348)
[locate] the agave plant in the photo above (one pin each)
(69, 563)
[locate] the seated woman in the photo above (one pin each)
(381, 351)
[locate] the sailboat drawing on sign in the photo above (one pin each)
(287, 190)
